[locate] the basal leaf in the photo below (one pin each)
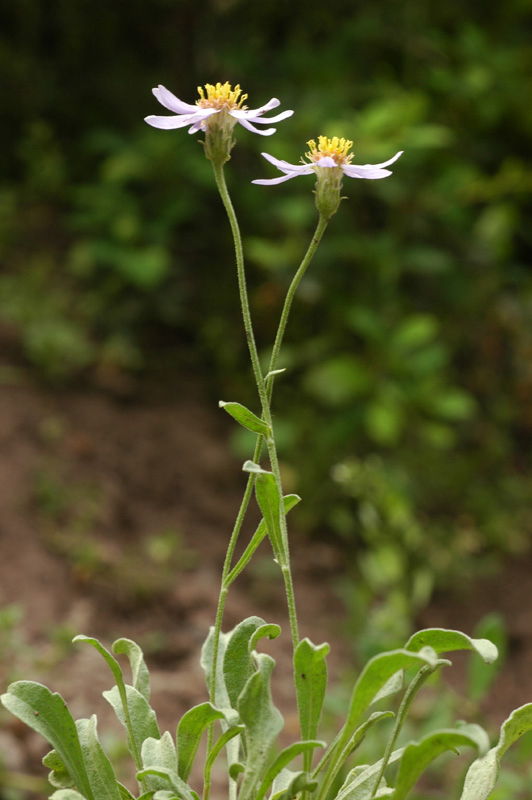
(189, 733)
(59, 776)
(48, 714)
(262, 722)
(310, 674)
(181, 789)
(246, 418)
(283, 759)
(360, 781)
(139, 670)
(67, 794)
(483, 773)
(444, 641)
(159, 753)
(418, 755)
(238, 663)
(140, 723)
(101, 775)
(292, 783)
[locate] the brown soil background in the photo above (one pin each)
(154, 458)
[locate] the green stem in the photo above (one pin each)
(404, 708)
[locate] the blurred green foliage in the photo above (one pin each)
(409, 353)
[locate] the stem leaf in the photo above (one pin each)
(444, 641)
(189, 732)
(310, 672)
(246, 418)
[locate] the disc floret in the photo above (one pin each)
(221, 95)
(335, 148)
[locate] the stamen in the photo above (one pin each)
(221, 96)
(335, 148)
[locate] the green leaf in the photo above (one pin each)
(310, 675)
(48, 714)
(285, 757)
(418, 755)
(59, 776)
(98, 766)
(140, 723)
(480, 676)
(289, 501)
(125, 794)
(157, 753)
(262, 721)
(291, 784)
(444, 641)
(359, 782)
(67, 794)
(181, 789)
(141, 676)
(483, 773)
(189, 733)
(246, 418)
(238, 663)
(270, 504)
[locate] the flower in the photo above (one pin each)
(329, 154)
(330, 160)
(213, 100)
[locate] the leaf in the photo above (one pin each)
(285, 757)
(289, 501)
(48, 714)
(179, 786)
(262, 721)
(59, 776)
(189, 733)
(444, 641)
(101, 776)
(246, 418)
(481, 676)
(160, 752)
(270, 504)
(310, 675)
(140, 723)
(418, 755)
(238, 663)
(67, 794)
(359, 783)
(483, 773)
(140, 674)
(293, 783)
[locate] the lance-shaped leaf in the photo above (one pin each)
(283, 759)
(289, 501)
(172, 779)
(59, 777)
(483, 773)
(418, 755)
(310, 674)
(269, 502)
(67, 794)
(246, 418)
(139, 670)
(290, 784)
(445, 641)
(262, 721)
(99, 769)
(159, 754)
(238, 663)
(189, 733)
(360, 781)
(140, 722)
(48, 714)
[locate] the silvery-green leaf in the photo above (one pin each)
(292, 783)
(101, 776)
(283, 759)
(141, 676)
(48, 714)
(360, 781)
(59, 777)
(483, 773)
(310, 674)
(246, 418)
(418, 755)
(269, 502)
(172, 779)
(67, 794)
(159, 753)
(189, 732)
(140, 722)
(238, 664)
(262, 722)
(444, 641)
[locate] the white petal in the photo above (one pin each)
(367, 172)
(180, 121)
(384, 163)
(273, 181)
(284, 166)
(326, 161)
(250, 127)
(273, 103)
(240, 114)
(171, 102)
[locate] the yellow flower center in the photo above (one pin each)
(221, 96)
(335, 148)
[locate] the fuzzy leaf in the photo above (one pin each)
(238, 663)
(179, 787)
(262, 721)
(292, 783)
(246, 418)
(48, 714)
(483, 773)
(418, 755)
(359, 782)
(59, 776)
(159, 753)
(270, 505)
(285, 757)
(141, 676)
(141, 720)
(67, 794)
(98, 766)
(189, 733)
(310, 673)
(444, 641)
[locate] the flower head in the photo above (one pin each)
(329, 160)
(218, 110)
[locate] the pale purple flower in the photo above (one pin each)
(218, 98)
(330, 153)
